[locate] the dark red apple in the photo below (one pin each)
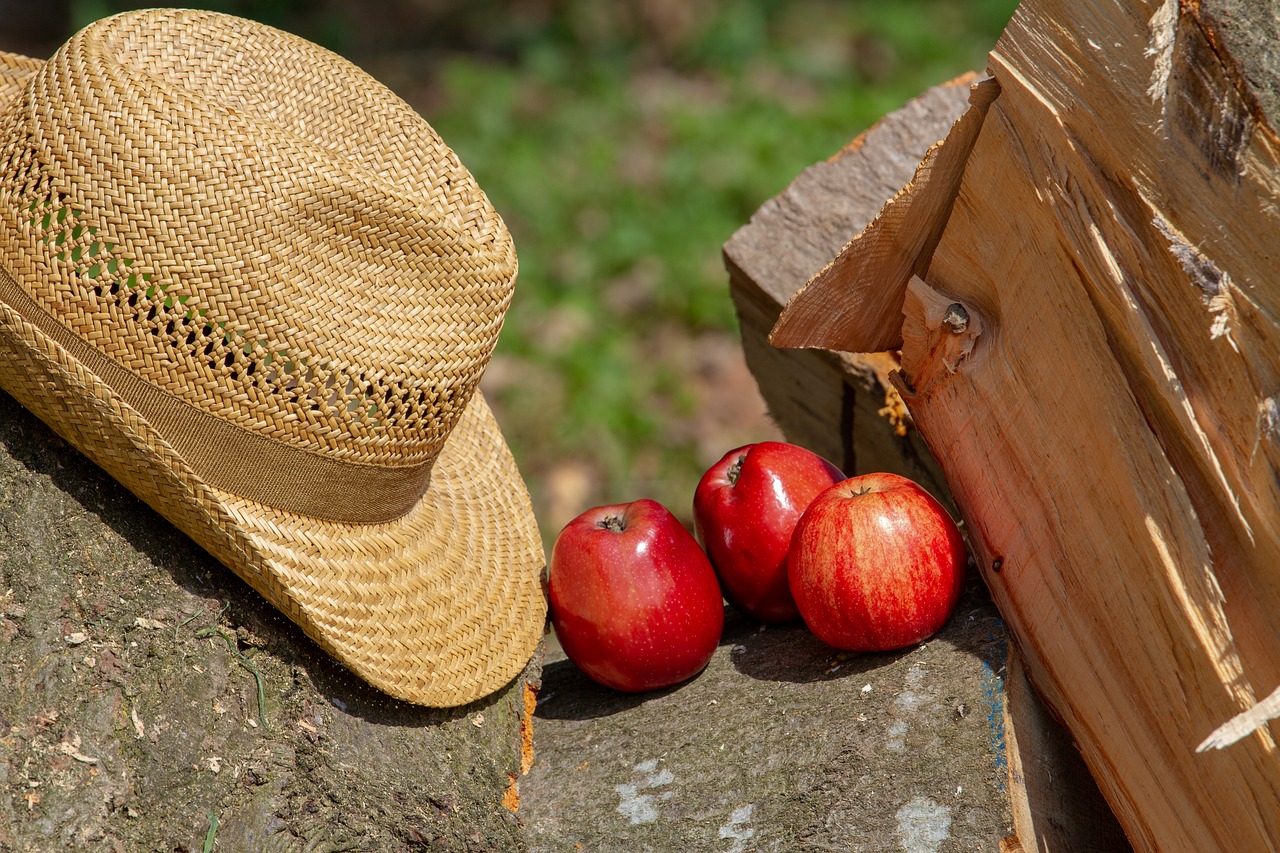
(634, 601)
(875, 564)
(745, 509)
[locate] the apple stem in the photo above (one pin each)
(735, 470)
(612, 523)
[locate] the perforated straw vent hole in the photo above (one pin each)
(75, 244)
(107, 276)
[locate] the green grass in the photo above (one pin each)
(621, 178)
(623, 146)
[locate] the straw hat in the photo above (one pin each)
(254, 286)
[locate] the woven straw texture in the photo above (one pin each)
(258, 289)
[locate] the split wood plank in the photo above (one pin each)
(839, 405)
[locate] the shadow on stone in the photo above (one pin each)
(568, 694)
(792, 653)
(44, 453)
(189, 695)
(776, 742)
(787, 653)
(344, 691)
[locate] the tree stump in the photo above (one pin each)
(152, 701)
(1081, 279)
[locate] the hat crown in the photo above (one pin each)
(258, 229)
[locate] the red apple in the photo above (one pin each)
(875, 564)
(634, 601)
(745, 509)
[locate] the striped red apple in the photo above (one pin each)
(875, 564)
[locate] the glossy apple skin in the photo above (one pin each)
(745, 509)
(633, 599)
(876, 564)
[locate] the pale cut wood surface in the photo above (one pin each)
(854, 304)
(1113, 434)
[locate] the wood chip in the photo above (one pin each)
(72, 748)
(1243, 724)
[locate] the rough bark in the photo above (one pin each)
(149, 700)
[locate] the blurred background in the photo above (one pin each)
(623, 141)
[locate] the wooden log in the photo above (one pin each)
(781, 744)
(1103, 398)
(843, 405)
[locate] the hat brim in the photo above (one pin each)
(439, 607)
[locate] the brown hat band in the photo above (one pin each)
(237, 460)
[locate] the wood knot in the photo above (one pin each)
(956, 318)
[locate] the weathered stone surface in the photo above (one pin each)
(781, 744)
(131, 671)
